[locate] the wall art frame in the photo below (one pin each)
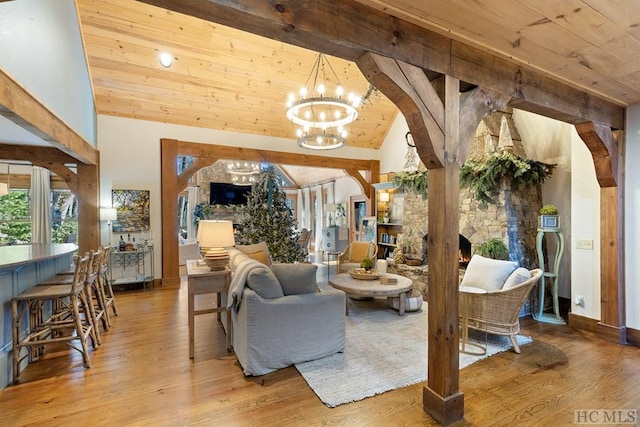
(133, 210)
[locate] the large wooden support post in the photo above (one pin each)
(169, 190)
(441, 397)
(612, 293)
(442, 122)
(607, 149)
(88, 214)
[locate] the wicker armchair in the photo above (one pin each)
(498, 311)
(350, 258)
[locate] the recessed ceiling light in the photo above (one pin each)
(165, 59)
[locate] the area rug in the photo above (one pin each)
(383, 352)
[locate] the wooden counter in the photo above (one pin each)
(21, 267)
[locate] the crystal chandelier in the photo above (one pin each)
(322, 118)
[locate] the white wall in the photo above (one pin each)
(632, 209)
(585, 211)
(394, 147)
(130, 159)
(549, 141)
(41, 48)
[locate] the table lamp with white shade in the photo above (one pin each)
(109, 214)
(213, 237)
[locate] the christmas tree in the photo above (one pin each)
(267, 218)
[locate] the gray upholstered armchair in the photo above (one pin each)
(281, 315)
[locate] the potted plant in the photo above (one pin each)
(366, 263)
(493, 248)
(549, 217)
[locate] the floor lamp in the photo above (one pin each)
(108, 214)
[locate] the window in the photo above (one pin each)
(64, 215)
(15, 217)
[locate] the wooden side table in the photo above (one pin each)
(202, 280)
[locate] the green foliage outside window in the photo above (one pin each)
(15, 219)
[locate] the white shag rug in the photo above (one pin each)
(383, 352)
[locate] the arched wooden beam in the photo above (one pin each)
(62, 171)
(603, 146)
(411, 91)
(367, 189)
(198, 163)
(607, 150)
(475, 105)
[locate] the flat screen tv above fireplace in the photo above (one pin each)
(223, 193)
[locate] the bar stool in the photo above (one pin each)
(105, 283)
(96, 309)
(56, 327)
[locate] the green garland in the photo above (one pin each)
(484, 177)
(414, 181)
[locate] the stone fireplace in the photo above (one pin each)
(513, 219)
(464, 250)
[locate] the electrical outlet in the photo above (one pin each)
(584, 244)
(579, 300)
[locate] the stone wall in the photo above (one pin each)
(217, 172)
(513, 219)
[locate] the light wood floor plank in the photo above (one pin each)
(141, 375)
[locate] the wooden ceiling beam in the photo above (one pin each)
(256, 155)
(22, 108)
(30, 152)
(363, 29)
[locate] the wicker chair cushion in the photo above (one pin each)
(519, 275)
(486, 273)
(360, 250)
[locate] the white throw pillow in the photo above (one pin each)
(486, 273)
(519, 275)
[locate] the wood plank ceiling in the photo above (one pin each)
(591, 44)
(222, 78)
(232, 80)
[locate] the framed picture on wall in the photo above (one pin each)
(368, 228)
(133, 210)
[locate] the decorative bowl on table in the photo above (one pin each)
(362, 274)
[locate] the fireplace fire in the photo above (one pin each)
(464, 250)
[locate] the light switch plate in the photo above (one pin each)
(584, 244)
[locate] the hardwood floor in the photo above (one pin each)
(142, 375)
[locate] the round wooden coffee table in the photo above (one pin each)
(374, 288)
